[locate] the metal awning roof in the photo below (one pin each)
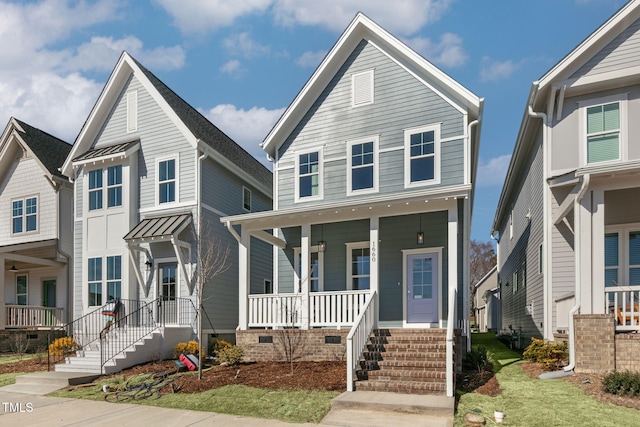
(106, 152)
(158, 228)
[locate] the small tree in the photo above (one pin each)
(482, 259)
(290, 340)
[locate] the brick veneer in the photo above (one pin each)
(311, 348)
(627, 350)
(595, 343)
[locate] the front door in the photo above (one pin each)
(167, 307)
(422, 288)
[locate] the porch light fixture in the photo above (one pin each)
(149, 264)
(13, 268)
(420, 237)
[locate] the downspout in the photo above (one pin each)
(467, 226)
(578, 294)
(199, 244)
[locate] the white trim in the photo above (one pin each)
(376, 165)
(436, 155)
(391, 149)
(297, 251)
(421, 251)
(320, 173)
(176, 179)
(358, 79)
(170, 207)
(623, 150)
(23, 217)
(350, 247)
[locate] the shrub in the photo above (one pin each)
(551, 355)
(622, 383)
(191, 347)
(62, 346)
(230, 355)
(476, 359)
(217, 345)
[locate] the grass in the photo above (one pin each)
(532, 402)
(298, 406)
(13, 357)
(499, 354)
(8, 379)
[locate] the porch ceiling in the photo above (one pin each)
(350, 210)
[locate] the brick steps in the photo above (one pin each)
(408, 387)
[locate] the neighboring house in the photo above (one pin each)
(374, 167)
(487, 302)
(568, 217)
(36, 238)
(152, 178)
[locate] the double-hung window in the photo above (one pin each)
(95, 189)
(422, 155)
(358, 265)
(309, 175)
(622, 257)
(363, 168)
(603, 132)
(21, 289)
(94, 276)
(24, 215)
(114, 186)
(114, 277)
(167, 182)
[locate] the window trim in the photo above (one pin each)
(622, 100)
(115, 186)
(350, 247)
(376, 141)
(297, 252)
(246, 191)
(354, 78)
(320, 194)
(116, 281)
(99, 189)
(436, 155)
(26, 288)
(176, 179)
(23, 217)
(99, 282)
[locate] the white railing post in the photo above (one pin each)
(358, 336)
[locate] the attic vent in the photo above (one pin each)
(132, 111)
(362, 88)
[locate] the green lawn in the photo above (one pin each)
(531, 402)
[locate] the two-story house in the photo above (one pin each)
(36, 240)
(569, 251)
(152, 177)
(374, 166)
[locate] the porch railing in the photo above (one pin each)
(33, 316)
(334, 309)
(359, 336)
(624, 303)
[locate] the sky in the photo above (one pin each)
(241, 62)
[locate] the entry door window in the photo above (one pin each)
(315, 275)
(49, 293)
(21, 289)
(168, 275)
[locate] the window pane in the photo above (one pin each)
(95, 269)
(114, 175)
(601, 148)
(32, 206)
(360, 283)
(95, 200)
(17, 225)
(17, 208)
(114, 290)
(611, 277)
(595, 119)
(611, 119)
(115, 196)
(32, 223)
(21, 284)
(114, 267)
(167, 192)
(306, 186)
(611, 250)
(362, 178)
(634, 276)
(422, 169)
(95, 179)
(95, 293)
(167, 170)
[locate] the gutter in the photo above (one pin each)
(578, 288)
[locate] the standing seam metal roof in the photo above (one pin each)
(158, 227)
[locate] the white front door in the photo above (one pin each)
(422, 288)
(167, 281)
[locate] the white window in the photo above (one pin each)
(114, 186)
(622, 256)
(246, 199)
(167, 173)
(24, 215)
(603, 124)
(132, 111)
(95, 189)
(422, 156)
(114, 277)
(362, 88)
(358, 265)
(316, 273)
(308, 185)
(21, 289)
(362, 173)
(94, 280)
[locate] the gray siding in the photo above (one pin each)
(401, 102)
(78, 270)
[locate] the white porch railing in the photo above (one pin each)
(358, 337)
(624, 303)
(33, 316)
(326, 309)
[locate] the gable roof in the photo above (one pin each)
(49, 151)
(562, 79)
(363, 28)
(197, 129)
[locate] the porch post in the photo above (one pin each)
(243, 279)
(584, 253)
(3, 310)
(597, 257)
(305, 268)
(452, 252)
(374, 225)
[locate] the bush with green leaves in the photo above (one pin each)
(476, 359)
(552, 355)
(230, 355)
(622, 383)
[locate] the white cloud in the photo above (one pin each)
(448, 52)
(493, 172)
(201, 16)
(311, 59)
(247, 127)
(492, 70)
(233, 68)
(243, 44)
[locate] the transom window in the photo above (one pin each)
(603, 132)
(167, 181)
(114, 277)
(24, 215)
(362, 174)
(95, 189)
(309, 175)
(114, 186)
(94, 279)
(358, 265)
(422, 152)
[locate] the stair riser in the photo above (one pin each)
(407, 376)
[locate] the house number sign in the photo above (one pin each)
(373, 251)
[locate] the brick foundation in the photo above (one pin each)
(28, 341)
(627, 350)
(595, 343)
(309, 345)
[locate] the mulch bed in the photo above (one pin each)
(27, 365)
(483, 382)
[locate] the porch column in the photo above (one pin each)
(597, 252)
(243, 279)
(583, 253)
(374, 225)
(305, 269)
(452, 253)
(3, 310)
